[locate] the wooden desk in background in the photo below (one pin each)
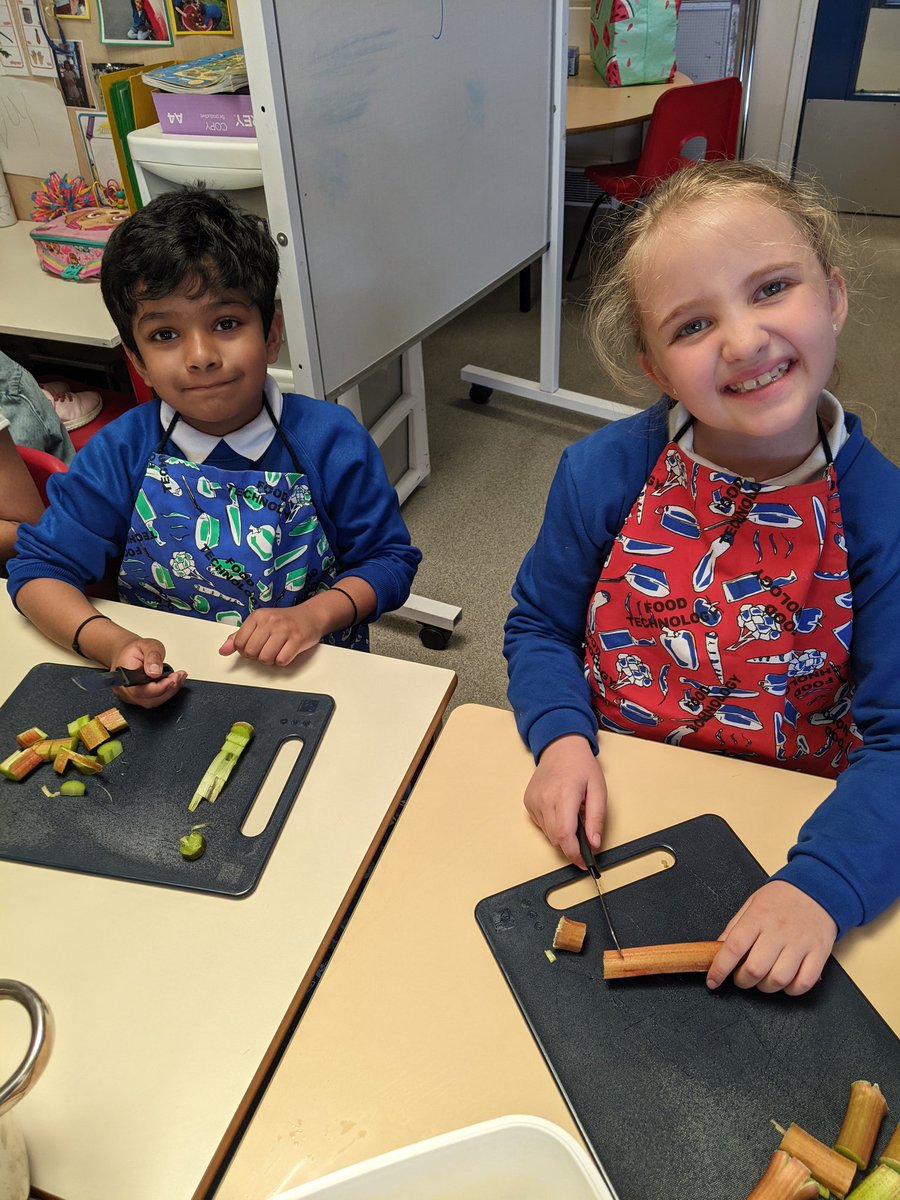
(591, 104)
(413, 1031)
(170, 1004)
(37, 305)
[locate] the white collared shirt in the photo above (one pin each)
(251, 440)
(830, 414)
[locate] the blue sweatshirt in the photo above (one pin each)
(847, 855)
(83, 532)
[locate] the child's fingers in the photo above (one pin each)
(595, 810)
(152, 695)
(734, 947)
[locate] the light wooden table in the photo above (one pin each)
(592, 105)
(169, 1005)
(35, 304)
(413, 1031)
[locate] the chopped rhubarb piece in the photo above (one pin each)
(30, 736)
(20, 764)
(785, 1178)
(826, 1166)
(87, 764)
(112, 720)
(61, 761)
(93, 734)
(109, 750)
(866, 1109)
(569, 935)
(74, 726)
(72, 787)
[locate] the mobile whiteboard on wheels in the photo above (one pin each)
(405, 147)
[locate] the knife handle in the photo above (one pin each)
(587, 852)
(134, 676)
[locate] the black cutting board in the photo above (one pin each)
(674, 1087)
(134, 832)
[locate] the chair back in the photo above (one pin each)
(709, 111)
(41, 466)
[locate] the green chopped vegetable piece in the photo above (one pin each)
(222, 765)
(7, 763)
(193, 844)
(109, 750)
(74, 726)
(72, 787)
(87, 764)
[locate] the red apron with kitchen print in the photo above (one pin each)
(722, 619)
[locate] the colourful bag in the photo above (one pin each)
(71, 246)
(633, 41)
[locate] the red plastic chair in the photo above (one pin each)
(708, 111)
(41, 466)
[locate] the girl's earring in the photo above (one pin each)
(834, 326)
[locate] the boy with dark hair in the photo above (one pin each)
(220, 499)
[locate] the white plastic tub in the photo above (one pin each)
(511, 1158)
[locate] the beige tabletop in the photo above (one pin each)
(35, 304)
(590, 104)
(169, 1003)
(412, 1031)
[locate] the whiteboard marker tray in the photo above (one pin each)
(510, 1158)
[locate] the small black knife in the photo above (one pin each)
(97, 680)
(588, 855)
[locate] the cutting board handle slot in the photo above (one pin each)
(630, 870)
(272, 787)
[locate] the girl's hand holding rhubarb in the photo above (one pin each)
(779, 941)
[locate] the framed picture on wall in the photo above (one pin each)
(70, 72)
(100, 150)
(72, 10)
(200, 16)
(98, 69)
(126, 22)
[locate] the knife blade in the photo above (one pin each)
(587, 854)
(97, 680)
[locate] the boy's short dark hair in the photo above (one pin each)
(192, 239)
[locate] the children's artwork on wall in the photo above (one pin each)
(72, 10)
(40, 56)
(101, 154)
(34, 129)
(98, 69)
(197, 16)
(12, 55)
(124, 22)
(70, 69)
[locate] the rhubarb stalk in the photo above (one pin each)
(890, 1155)
(659, 960)
(866, 1109)
(831, 1169)
(785, 1178)
(882, 1184)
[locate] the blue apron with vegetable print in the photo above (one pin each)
(218, 543)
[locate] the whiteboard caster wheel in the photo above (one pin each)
(479, 394)
(433, 638)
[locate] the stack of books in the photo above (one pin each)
(206, 97)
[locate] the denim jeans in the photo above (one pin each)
(33, 420)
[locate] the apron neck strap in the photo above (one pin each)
(823, 438)
(276, 425)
